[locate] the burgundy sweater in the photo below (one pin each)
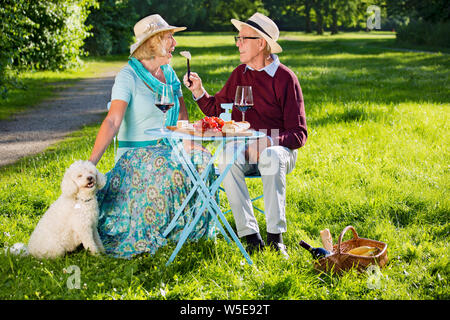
(278, 104)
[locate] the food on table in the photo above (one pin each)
(182, 124)
(211, 124)
(229, 127)
(233, 127)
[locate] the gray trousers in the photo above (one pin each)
(274, 164)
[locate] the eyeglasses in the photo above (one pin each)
(237, 39)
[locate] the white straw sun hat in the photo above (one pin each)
(149, 26)
(265, 27)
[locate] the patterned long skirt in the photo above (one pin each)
(141, 196)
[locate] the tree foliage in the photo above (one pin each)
(44, 34)
(112, 27)
(432, 11)
(425, 22)
(41, 34)
(112, 22)
(54, 34)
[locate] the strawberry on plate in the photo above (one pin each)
(212, 124)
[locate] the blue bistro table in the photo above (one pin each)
(205, 199)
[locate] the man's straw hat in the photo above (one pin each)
(149, 26)
(265, 27)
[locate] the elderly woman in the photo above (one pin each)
(145, 188)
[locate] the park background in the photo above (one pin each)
(376, 158)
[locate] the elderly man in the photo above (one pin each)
(278, 111)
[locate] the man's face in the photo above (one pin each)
(249, 49)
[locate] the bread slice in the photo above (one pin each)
(182, 124)
(233, 127)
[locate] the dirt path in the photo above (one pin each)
(49, 122)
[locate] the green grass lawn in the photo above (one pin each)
(377, 158)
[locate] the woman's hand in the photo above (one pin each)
(196, 87)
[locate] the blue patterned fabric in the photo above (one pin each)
(142, 194)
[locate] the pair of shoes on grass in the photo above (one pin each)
(255, 243)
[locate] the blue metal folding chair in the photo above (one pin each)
(253, 176)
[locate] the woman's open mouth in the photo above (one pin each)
(169, 54)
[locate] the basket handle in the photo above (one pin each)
(355, 236)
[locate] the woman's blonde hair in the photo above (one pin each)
(152, 47)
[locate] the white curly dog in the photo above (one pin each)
(72, 219)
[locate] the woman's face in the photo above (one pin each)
(169, 44)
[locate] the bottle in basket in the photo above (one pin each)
(317, 253)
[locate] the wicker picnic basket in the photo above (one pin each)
(340, 260)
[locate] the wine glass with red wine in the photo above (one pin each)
(164, 101)
(243, 99)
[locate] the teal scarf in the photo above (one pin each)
(156, 85)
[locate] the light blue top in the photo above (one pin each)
(141, 111)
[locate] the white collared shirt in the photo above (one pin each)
(270, 68)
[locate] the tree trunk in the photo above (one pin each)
(319, 22)
(317, 5)
(308, 16)
(334, 17)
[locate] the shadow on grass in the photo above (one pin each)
(356, 114)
